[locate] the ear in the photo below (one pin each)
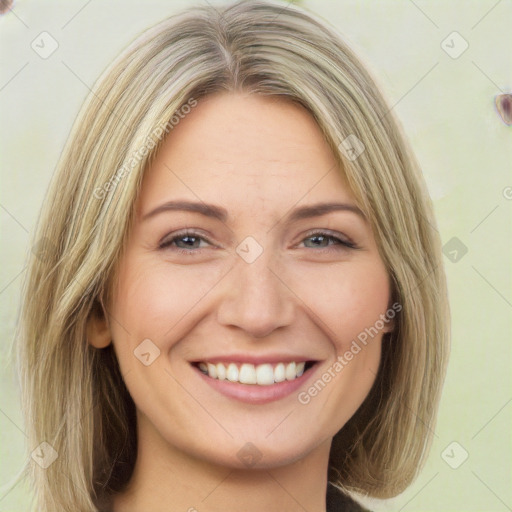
(389, 326)
(98, 329)
(391, 314)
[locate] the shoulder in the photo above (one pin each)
(340, 502)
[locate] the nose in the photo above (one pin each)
(256, 298)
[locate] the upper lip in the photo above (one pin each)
(254, 359)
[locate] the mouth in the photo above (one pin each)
(260, 382)
(265, 374)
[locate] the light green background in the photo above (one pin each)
(446, 107)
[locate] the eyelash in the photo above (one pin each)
(339, 245)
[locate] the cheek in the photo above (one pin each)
(348, 300)
(347, 307)
(157, 302)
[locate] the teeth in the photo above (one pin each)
(262, 374)
(212, 370)
(247, 374)
(221, 372)
(291, 371)
(231, 374)
(279, 373)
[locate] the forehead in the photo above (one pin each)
(245, 151)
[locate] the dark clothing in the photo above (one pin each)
(339, 502)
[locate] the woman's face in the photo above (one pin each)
(229, 268)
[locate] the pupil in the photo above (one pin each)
(189, 240)
(319, 238)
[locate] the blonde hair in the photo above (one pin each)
(73, 395)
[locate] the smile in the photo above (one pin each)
(260, 375)
(255, 379)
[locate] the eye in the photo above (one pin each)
(185, 242)
(321, 240)
(188, 242)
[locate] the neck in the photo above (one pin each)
(168, 479)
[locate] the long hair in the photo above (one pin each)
(73, 395)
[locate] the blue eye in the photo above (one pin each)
(189, 238)
(190, 242)
(322, 237)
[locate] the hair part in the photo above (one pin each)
(73, 395)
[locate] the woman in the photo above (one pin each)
(240, 294)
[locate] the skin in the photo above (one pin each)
(258, 158)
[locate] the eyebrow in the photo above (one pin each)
(217, 212)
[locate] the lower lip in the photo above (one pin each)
(254, 394)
